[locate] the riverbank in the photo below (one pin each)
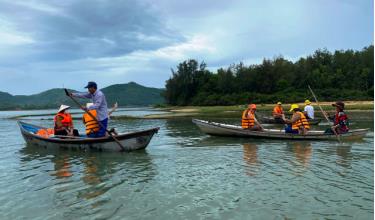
(236, 110)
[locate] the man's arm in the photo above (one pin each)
(98, 102)
(86, 95)
(257, 123)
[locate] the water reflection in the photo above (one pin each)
(89, 175)
(344, 156)
(302, 151)
(62, 167)
(250, 156)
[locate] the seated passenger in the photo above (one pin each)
(249, 121)
(92, 125)
(278, 112)
(299, 123)
(64, 123)
(308, 110)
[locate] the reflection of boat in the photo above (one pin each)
(220, 129)
(131, 141)
(94, 172)
(271, 120)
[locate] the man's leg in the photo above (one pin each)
(102, 128)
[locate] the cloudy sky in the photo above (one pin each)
(49, 44)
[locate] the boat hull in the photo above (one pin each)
(218, 129)
(131, 141)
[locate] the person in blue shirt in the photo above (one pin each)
(100, 105)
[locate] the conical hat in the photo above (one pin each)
(63, 107)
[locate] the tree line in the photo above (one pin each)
(342, 75)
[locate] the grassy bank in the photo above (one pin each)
(236, 110)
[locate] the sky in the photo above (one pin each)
(55, 44)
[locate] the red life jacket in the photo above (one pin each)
(342, 120)
(66, 121)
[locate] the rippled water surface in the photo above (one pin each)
(185, 174)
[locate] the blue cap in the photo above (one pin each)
(91, 85)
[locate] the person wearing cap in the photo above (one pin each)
(100, 105)
(278, 112)
(248, 119)
(64, 123)
(340, 120)
(92, 126)
(308, 110)
(299, 123)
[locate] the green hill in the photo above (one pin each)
(129, 94)
(133, 94)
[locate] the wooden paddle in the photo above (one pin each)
(94, 118)
(324, 114)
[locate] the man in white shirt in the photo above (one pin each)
(309, 110)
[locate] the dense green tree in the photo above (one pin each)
(340, 75)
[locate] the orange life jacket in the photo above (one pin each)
(92, 125)
(247, 119)
(45, 132)
(302, 122)
(277, 110)
(66, 121)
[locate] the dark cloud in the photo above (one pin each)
(88, 28)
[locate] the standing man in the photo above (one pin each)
(100, 105)
(309, 110)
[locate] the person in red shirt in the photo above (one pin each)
(340, 120)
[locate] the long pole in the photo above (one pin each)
(94, 118)
(324, 113)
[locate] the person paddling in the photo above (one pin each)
(248, 119)
(299, 123)
(340, 120)
(64, 123)
(100, 105)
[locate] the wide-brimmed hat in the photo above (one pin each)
(339, 104)
(293, 106)
(307, 102)
(63, 107)
(279, 103)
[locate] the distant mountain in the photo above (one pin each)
(129, 94)
(133, 94)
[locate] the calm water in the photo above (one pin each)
(185, 174)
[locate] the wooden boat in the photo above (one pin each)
(271, 120)
(131, 141)
(219, 129)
